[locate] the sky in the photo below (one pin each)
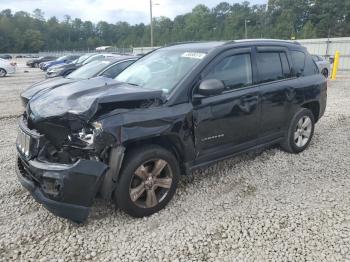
(112, 11)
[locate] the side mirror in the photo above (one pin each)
(211, 87)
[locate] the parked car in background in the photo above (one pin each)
(31, 56)
(323, 65)
(99, 57)
(109, 68)
(36, 62)
(7, 57)
(7, 67)
(172, 111)
(61, 60)
(65, 69)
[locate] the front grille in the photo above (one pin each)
(24, 170)
(21, 167)
(28, 141)
(24, 142)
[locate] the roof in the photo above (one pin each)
(262, 40)
(206, 46)
(202, 46)
(119, 58)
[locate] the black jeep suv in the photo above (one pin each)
(176, 109)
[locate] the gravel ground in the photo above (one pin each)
(261, 206)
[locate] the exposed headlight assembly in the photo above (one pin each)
(87, 134)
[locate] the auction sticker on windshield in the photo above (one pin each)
(195, 55)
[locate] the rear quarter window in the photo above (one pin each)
(298, 59)
(310, 66)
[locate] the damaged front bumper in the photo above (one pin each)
(65, 190)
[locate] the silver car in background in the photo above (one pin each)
(7, 67)
(323, 65)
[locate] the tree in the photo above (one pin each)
(33, 40)
(38, 14)
(284, 19)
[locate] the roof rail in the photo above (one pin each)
(262, 40)
(181, 43)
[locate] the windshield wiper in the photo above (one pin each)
(133, 84)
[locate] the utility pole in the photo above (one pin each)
(150, 11)
(245, 27)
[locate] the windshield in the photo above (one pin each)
(83, 58)
(62, 58)
(93, 58)
(89, 70)
(161, 70)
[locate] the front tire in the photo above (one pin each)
(148, 181)
(3, 72)
(300, 132)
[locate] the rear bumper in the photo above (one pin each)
(323, 100)
(67, 191)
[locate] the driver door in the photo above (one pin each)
(227, 122)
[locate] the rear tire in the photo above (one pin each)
(148, 181)
(3, 72)
(300, 132)
(325, 73)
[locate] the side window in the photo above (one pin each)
(298, 59)
(115, 70)
(270, 66)
(310, 67)
(235, 71)
(285, 65)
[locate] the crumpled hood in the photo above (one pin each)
(44, 86)
(82, 99)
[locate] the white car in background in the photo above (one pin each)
(323, 65)
(7, 67)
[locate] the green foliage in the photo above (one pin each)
(283, 19)
(32, 40)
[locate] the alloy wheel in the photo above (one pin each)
(150, 183)
(303, 131)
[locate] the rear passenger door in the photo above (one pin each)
(277, 90)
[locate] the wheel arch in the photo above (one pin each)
(314, 107)
(171, 143)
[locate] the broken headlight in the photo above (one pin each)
(86, 136)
